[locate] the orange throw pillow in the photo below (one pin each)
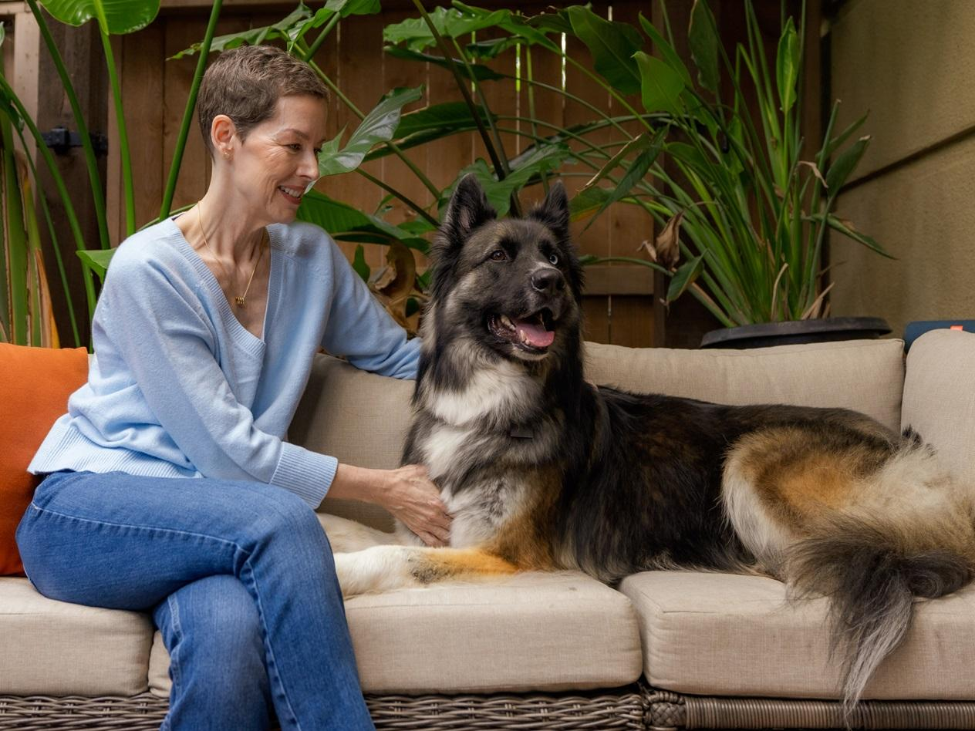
(34, 387)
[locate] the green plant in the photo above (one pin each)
(112, 18)
(733, 198)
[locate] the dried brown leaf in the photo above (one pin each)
(666, 245)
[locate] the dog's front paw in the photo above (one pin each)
(345, 572)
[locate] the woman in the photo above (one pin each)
(204, 336)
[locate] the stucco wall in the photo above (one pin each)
(912, 66)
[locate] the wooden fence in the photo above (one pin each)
(619, 304)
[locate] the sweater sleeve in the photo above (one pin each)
(161, 333)
(361, 330)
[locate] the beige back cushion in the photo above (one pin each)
(362, 419)
(865, 375)
(939, 397)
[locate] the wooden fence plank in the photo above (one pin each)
(143, 86)
(360, 74)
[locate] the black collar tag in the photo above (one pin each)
(520, 432)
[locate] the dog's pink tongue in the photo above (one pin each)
(535, 334)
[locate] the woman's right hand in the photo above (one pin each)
(412, 497)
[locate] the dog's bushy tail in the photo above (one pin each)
(871, 573)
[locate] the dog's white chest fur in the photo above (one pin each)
(466, 423)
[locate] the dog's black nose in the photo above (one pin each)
(547, 280)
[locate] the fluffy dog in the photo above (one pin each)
(543, 471)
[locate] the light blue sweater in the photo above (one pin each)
(179, 388)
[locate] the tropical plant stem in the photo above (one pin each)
(13, 205)
(123, 136)
(479, 90)
(184, 129)
(388, 188)
(310, 52)
(49, 160)
(394, 148)
(531, 107)
(578, 100)
(98, 196)
(55, 246)
(462, 85)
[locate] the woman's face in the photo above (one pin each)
(273, 166)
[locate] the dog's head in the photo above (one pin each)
(513, 285)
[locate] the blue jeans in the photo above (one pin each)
(239, 578)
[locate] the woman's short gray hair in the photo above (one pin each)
(245, 84)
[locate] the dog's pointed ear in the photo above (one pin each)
(468, 209)
(554, 211)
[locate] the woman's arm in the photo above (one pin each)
(406, 492)
(361, 330)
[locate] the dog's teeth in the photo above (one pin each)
(506, 321)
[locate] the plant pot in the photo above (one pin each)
(796, 332)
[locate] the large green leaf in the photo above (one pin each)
(518, 26)
(378, 126)
(846, 228)
(114, 17)
(787, 66)
(844, 165)
(286, 29)
(449, 22)
(97, 260)
(612, 46)
(587, 202)
(524, 169)
(703, 40)
(345, 223)
(666, 50)
(479, 71)
(636, 170)
(684, 277)
(661, 85)
(431, 123)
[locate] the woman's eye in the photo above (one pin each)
(295, 146)
(498, 255)
(554, 258)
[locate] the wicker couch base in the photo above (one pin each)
(626, 709)
(667, 710)
(623, 710)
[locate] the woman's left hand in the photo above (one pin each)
(412, 497)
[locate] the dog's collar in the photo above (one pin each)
(521, 432)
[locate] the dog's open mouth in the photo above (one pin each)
(534, 333)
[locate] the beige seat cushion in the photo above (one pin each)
(939, 397)
(531, 632)
(54, 648)
(719, 634)
(865, 375)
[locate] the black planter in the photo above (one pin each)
(796, 332)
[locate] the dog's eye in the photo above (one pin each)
(554, 258)
(498, 255)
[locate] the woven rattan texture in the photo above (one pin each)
(430, 713)
(664, 709)
(752, 713)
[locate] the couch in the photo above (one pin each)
(661, 650)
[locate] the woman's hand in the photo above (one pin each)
(407, 493)
(412, 497)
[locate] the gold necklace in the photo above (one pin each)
(241, 299)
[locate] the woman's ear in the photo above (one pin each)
(222, 133)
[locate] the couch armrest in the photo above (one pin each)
(939, 397)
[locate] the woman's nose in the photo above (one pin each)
(308, 167)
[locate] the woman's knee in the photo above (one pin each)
(213, 625)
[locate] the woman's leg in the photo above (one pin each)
(128, 542)
(212, 631)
